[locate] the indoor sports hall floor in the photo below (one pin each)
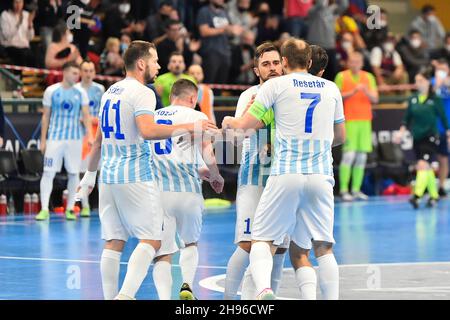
(385, 250)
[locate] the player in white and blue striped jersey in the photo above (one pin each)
(253, 174)
(298, 199)
(95, 92)
(129, 197)
(61, 135)
(177, 172)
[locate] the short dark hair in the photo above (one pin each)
(263, 48)
(319, 59)
(70, 64)
(175, 53)
(58, 32)
(137, 50)
(85, 61)
(171, 22)
(297, 52)
(428, 8)
(183, 87)
(166, 3)
(413, 31)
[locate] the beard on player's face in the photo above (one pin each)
(148, 76)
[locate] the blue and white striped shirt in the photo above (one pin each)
(65, 105)
(94, 92)
(176, 168)
(126, 156)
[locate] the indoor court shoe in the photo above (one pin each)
(266, 294)
(70, 215)
(414, 202)
(346, 197)
(431, 203)
(85, 213)
(42, 215)
(359, 196)
(442, 192)
(186, 293)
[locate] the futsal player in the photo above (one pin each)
(298, 198)
(129, 198)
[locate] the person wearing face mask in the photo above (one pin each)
(413, 53)
(155, 23)
(430, 27)
(387, 65)
(373, 37)
(424, 110)
(441, 85)
(61, 49)
(117, 19)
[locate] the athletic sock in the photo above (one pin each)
(431, 185)
(248, 287)
(307, 282)
(46, 188)
(109, 269)
(138, 265)
(235, 272)
(422, 177)
(162, 277)
(72, 184)
(357, 178)
(344, 177)
(277, 271)
(188, 264)
(261, 263)
(328, 277)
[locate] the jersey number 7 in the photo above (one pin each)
(315, 97)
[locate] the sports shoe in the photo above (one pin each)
(186, 293)
(123, 297)
(266, 294)
(360, 196)
(85, 213)
(42, 215)
(431, 203)
(442, 192)
(70, 215)
(414, 201)
(346, 197)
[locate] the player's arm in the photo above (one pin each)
(44, 127)
(252, 119)
(87, 122)
(88, 182)
(150, 130)
(339, 134)
(215, 179)
(372, 90)
(339, 120)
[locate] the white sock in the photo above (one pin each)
(138, 265)
(328, 277)
(307, 282)
(72, 184)
(261, 263)
(188, 264)
(162, 277)
(277, 271)
(248, 287)
(46, 188)
(110, 268)
(235, 272)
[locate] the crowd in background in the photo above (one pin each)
(219, 35)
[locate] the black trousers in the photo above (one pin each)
(21, 56)
(216, 67)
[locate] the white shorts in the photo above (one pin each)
(183, 216)
(57, 150)
(301, 206)
(130, 210)
(247, 199)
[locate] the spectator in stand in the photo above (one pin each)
(156, 23)
(239, 14)
(82, 35)
(61, 50)
(441, 85)
(48, 15)
(2, 123)
(268, 25)
(346, 24)
(164, 82)
(387, 65)
(322, 19)
(118, 20)
(347, 45)
(214, 28)
(111, 61)
(176, 40)
(16, 31)
(414, 54)
(125, 41)
(205, 101)
(241, 70)
(444, 52)
(430, 28)
(374, 35)
(295, 14)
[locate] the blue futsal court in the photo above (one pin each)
(59, 259)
